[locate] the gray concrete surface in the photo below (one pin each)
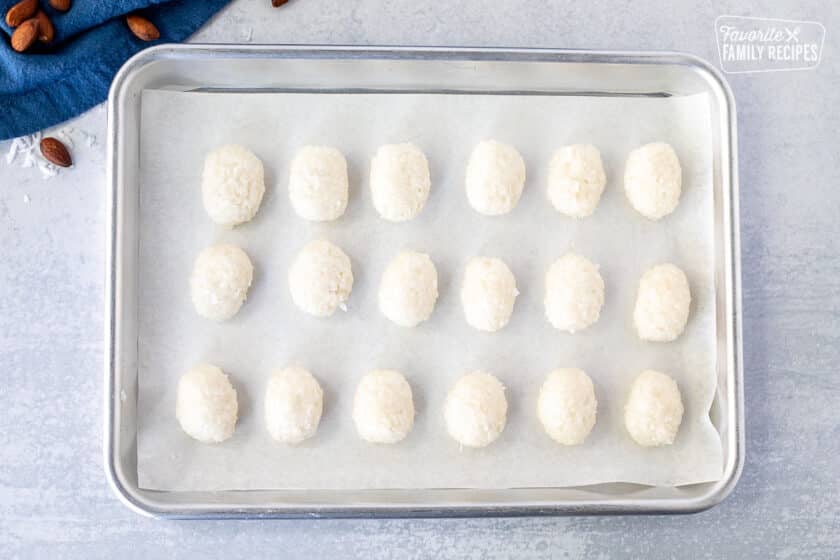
(54, 501)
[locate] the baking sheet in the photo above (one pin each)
(178, 128)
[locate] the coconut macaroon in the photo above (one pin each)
(220, 280)
(567, 406)
(576, 180)
(383, 407)
(232, 185)
(294, 402)
(662, 303)
(653, 180)
(318, 185)
(399, 181)
(409, 289)
(574, 293)
(476, 409)
(495, 178)
(320, 278)
(654, 409)
(488, 293)
(206, 404)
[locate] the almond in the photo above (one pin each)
(46, 31)
(60, 5)
(142, 28)
(55, 152)
(278, 3)
(21, 12)
(25, 35)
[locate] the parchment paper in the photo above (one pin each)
(179, 128)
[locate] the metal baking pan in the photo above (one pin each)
(382, 69)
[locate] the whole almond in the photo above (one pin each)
(21, 12)
(278, 3)
(60, 5)
(142, 28)
(25, 35)
(55, 152)
(46, 31)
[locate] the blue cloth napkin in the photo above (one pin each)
(50, 84)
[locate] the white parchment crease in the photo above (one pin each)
(178, 129)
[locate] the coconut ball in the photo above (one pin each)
(383, 408)
(399, 181)
(567, 406)
(654, 409)
(653, 180)
(574, 293)
(409, 289)
(220, 280)
(576, 180)
(476, 409)
(293, 404)
(206, 404)
(318, 185)
(321, 279)
(662, 304)
(488, 293)
(232, 185)
(495, 178)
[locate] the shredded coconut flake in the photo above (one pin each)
(26, 151)
(11, 155)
